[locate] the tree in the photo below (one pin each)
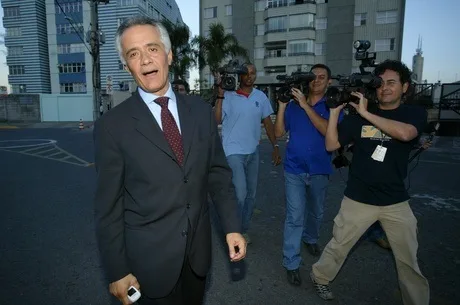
(183, 54)
(218, 46)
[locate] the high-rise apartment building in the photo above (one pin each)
(27, 46)
(283, 36)
(47, 47)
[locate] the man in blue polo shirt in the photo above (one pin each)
(307, 167)
(241, 113)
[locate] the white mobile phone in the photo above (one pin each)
(133, 294)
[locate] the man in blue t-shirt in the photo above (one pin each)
(240, 113)
(307, 167)
(383, 137)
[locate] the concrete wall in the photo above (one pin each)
(20, 108)
(66, 108)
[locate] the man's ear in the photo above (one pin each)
(170, 57)
(405, 87)
(127, 68)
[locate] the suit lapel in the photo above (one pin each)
(148, 126)
(187, 123)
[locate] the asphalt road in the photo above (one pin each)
(48, 251)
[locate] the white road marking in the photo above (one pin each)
(450, 204)
(43, 148)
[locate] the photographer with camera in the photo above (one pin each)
(383, 138)
(307, 167)
(240, 113)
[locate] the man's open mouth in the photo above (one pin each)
(150, 73)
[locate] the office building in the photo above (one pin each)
(283, 36)
(47, 46)
(27, 46)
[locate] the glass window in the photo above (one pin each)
(13, 32)
(386, 17)
(15, 51)
(228, 10)
(16, 70)
(321, 23)
(384, 45)
(360, 19)
(301, 47)
(259, 6)
(11, 11)
(259, 53)
(276, 24)
(301, 21)
(210, 12)
(276, 3)
(320, 49)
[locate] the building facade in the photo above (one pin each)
(47, 45)
(27, 46)
(283, 36)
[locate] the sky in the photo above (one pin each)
(435, 21)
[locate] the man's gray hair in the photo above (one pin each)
(141, 20)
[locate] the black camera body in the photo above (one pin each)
(229, 72)
(364, 82)
(296, 80)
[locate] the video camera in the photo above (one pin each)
(296, 80)
(364, 81)
(227, 72)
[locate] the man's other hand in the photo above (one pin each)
(276, 156)
(236, 246)
(120, 288)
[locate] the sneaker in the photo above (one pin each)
(323, 291)
(313, 249)
(248, 239)
(294, 277)
(383, 243)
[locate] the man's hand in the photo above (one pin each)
(300, 97)
(276, 157)
(218, 84)
(336, 111)
(426, 144)
(120, 288)
(236, 240)
(361, 107)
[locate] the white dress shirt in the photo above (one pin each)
(155, 109)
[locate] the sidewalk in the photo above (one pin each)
(23, 125)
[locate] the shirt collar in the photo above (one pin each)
(149, 98)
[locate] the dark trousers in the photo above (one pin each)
(189, 290)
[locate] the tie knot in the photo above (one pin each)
(162, 101)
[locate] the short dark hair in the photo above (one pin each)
(181, 82)
(397, 66)
(322, 66)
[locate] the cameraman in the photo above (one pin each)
(383, 139)
(240, 113)
(307, 167)
(180, 86)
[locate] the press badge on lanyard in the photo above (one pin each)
(379, 152)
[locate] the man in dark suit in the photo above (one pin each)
(158, 155)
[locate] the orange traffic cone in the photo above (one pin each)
(80, 125)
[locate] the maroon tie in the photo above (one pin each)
(170, 129)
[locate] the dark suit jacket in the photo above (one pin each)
(147, 205)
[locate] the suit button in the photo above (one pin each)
(188, 205)
(185, 179)
(184, 233)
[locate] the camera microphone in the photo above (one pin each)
(430, 138)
